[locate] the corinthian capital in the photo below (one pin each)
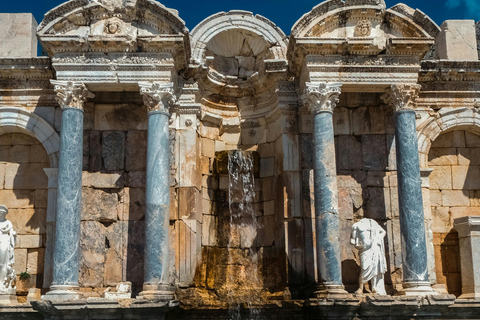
(322, 96)
(156, 96)
(402, 96)
(71, 94)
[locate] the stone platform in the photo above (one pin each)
(379, 307)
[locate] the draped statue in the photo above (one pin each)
(7, 259)
(367, 237)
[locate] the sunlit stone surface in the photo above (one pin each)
(156, 172)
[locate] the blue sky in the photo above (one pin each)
(284, 13)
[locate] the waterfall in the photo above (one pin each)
(244, 286)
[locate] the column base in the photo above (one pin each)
(330, 291)
(162, 292)
(470, 295)
(420, 288)
(63, 293)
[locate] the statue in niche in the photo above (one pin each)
(7, 244)
(367, 237)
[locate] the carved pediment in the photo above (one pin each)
(114, 26)
(360, 27)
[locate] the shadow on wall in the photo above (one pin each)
(454, 157)
(24, 192)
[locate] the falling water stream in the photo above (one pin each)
(243, 288)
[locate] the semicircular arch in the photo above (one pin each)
(220, 22)
(13, 119)
(446, 120)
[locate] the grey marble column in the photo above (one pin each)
(71, 97)
(52, 174)
(322, 98)
(157, 98)
(412, 225)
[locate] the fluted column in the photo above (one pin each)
(322, 98)
(412, 225)
(157, 98)
(71, 97)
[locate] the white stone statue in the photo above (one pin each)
(367, 237)
(7, 259)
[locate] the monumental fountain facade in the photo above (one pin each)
(151, 171)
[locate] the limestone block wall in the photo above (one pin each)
(367, 180)
(454, 193)
(23, 189)
(113, 206)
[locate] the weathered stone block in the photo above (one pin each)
(28, 221)
(135, 179)
(19, 39)
(472, 140)
(266, 150)
(267, 167)
(100, 205)
(17, 198)
(29, 241)
(20, 260)
(345, 204)
(378, 203)
(133, 204)
(113, 151)
(95, 150)
(436, 198)
(115, 252)
(35, 260)
(441, 178)
(25, 176)
(459, 212)
(208, 148)
(41, 198)
(136, 151)
(374, 152)
(292, 194)
(441, 220)
(92, 254)
(209, 230)
(455, 198)
(103, 180)
(450, 139)
(120, 117)
(469, 156)
(457, 41)
(350, 153)
(466, 177)
(190, 203)
(442, 156)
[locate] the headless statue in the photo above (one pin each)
(7, 259)
(367, 237)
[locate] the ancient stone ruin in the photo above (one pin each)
(152, 172)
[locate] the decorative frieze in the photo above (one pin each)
(71, 94)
